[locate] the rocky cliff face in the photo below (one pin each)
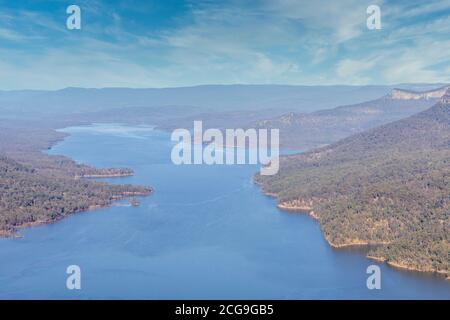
(446, 97)
(305, 131)
(400, 94)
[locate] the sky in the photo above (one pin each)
(171, 43)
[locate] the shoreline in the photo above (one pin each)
(123, 196)
(399, 265)
(307, 209)
(14, 233)
(106, 175)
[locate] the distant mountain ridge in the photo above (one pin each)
(42, 104)
(307, 130)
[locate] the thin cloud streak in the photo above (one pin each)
(285, 41)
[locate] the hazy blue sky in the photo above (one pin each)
(177, 43)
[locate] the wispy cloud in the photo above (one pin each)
(265, 41)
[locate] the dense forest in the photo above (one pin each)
(37, 188)
(388, 186)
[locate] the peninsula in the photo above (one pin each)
(36, 188)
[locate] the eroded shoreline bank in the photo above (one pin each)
(305, 207)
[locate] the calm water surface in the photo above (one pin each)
(207, 232)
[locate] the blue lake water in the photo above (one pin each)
(206, 233)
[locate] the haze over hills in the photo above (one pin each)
(388, 186)
(305, 131)
(34, 104)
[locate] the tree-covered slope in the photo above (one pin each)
(388, 186)
(29, 197)
(36, 188)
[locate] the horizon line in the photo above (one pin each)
(441, 84)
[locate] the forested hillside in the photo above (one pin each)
(37, 188)
(388, 186)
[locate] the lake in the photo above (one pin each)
(206, 233)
